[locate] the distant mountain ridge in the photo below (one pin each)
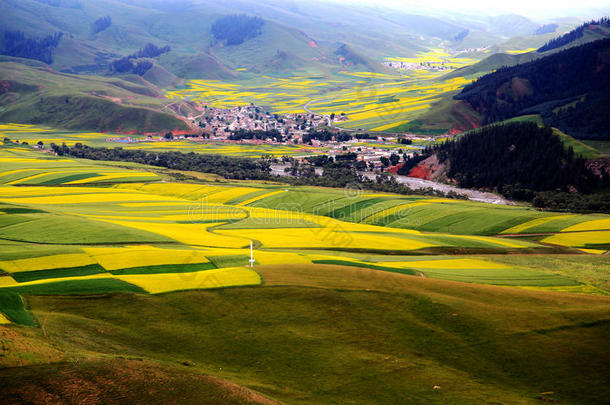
(96, 32)
(594, 30)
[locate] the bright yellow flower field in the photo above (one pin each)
(207, 279)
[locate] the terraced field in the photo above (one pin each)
(590, 233)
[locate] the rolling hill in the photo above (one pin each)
(99, 32)
(34, 93)
(117, 284)
(293, 340)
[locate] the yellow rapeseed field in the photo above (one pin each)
(188, 191)
(593, 251)
(595, 225)
(4, 320)
(207, 279)
(264, 258)
(328, 237)
(535, 222)
(88, 198)
(47, 262)
(190, 234)
(114, 258)
(579, 239)
(7, 281)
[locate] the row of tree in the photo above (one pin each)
(101, 24)
(129, 64)
(326, 136)
(256, 134)
(342, 173)
(150, 51)
(225, 166)
(126, 65)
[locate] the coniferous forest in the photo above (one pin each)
(525, 162)
(571, 36)
(17, 44)
(235, 29)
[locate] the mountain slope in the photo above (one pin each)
(36, 94)
(569, 89)
(588, 32)
(96, 32)
(89, 46)
(522, 161)
(492, 63)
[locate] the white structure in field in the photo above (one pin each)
(251, 255)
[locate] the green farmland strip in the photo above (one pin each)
(71, 287)
(68, 229)
(11, 305)
(168, 268)
(21, 210)
(67, 179)
(25, 276)
(351, 209)
(366, 265)
(229, 260)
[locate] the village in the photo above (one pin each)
(438, 66)
(252, 125)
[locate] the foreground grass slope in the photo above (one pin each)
(320, 334)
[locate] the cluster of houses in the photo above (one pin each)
(218, 124)
(418, 66)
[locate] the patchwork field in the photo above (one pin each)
(33, 134)
(371, 101)
(18, 166)
(122, 273)
(160, 237)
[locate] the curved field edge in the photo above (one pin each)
(293, 340)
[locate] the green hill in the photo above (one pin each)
(37, 94)
(568, 89)
(315, 334)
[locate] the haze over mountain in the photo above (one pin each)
(311, 31)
